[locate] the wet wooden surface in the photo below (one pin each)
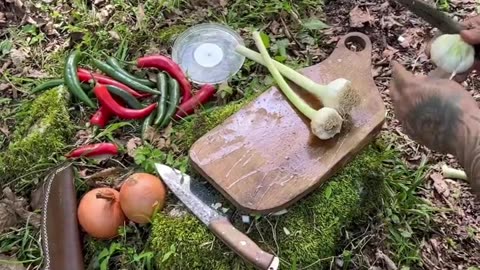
(264, 157)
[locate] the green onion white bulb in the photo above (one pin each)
(450, 53)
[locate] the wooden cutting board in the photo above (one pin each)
(264, 157)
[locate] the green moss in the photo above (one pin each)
(185, 243)
(43, 127)
(193, 128)
(315, 223)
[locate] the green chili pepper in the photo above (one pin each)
(146, 123)
(116, 65)
(131, 101)
(88, 89)
(173, 100)
(162, 86)
(72, 81)
(47, 85)
(110, 71)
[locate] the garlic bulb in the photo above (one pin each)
(326, 123)
(450, 53)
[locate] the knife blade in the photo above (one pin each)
(199, 200)
(436, 18)
(433, 16)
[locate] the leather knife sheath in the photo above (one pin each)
(59, 227)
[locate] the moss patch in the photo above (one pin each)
(191, 129)
(43, 127)
(185, 243)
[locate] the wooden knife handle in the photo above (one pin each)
(243, 246)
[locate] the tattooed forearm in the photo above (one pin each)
(442, 125)
(434, 121)
(468, 151)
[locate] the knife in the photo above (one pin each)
(199, 200)
(436, 18)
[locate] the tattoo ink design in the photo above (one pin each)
(440, 124)
(434, 121)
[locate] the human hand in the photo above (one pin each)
(470, 35)
(434, 112)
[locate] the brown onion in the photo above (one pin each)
(100, 214)
(140, 195)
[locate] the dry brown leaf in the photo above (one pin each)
(411, 38)
(13, 263)
(19, 206)
(4, 130)
(114, 34)
(18, 57)
(389, 53)
(358, 17)
(440, 185)
(140, 14)
(388, 262)
(8, 217)
(104, 14)
(36, 74)
(4, 86)
(36, 197)
(132, 144)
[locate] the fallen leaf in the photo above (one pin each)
(4, 86)
(36, 74)
(440, 185)
(8, 217)
(132, 144)
(10, 263)
(411, 38)
(104, 14)
(18, 57)
(388, 262)
(4, 130)
(19, 206)
(389, 53)
(314, 24)
(140, 14)
(114, 34)
(358, 17)
(36, 197)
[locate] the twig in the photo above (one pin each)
(289, 34)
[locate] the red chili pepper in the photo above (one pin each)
(173, 69)
(101, 117)
(92, 150)
(86, 76)
(204, 94)
(106, 100)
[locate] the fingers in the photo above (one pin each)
(400, 78)
(471, 36)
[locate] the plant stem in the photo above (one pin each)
(452, 173)
(300, 104)
(294, 76)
